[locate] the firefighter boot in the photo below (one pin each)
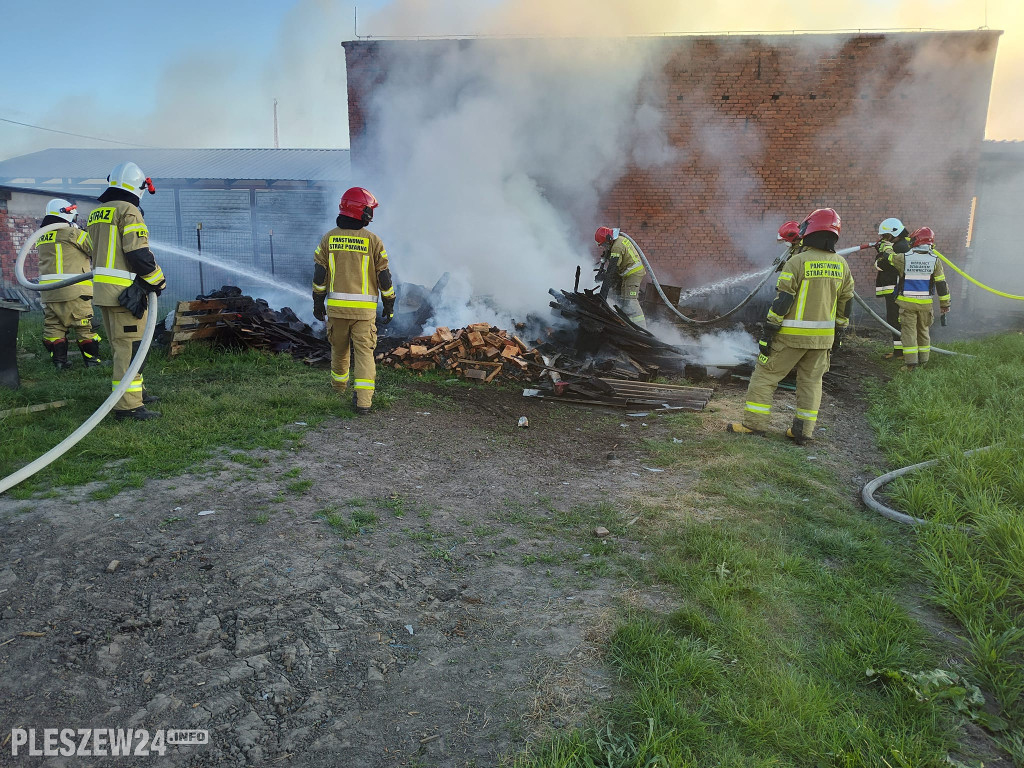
(58, 350)
(741, 429)
(147, 398)
(90, 353)
(360, 410)
(136, 414)
(795, 434)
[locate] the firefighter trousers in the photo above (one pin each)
(915, 324)
(892, 317)
(124, 331)
(629, 300)
(355, 341)
(810, 364)
(59, 317)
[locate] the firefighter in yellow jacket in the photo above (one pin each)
(124, 273)
(621, 267)
(350, 270)
(63, 253)
(920, 274)
(805, 323)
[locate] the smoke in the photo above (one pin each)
(717, 349)
(493, 156)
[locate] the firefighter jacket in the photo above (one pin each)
(920, 275)
(814, 290)
(120, 251)
(352, 258)
(625, 259)
(888, 276)
(64, 253)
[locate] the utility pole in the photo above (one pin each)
(276, 144)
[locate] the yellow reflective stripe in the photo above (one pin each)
(108, 280)
(775, 317)
(806, 415)
(136, 385)
(759, 407)
(638, 268)
(137, 228)
(944, 297)
(910, 350)
(366, 273)
(915, 300)
(53, 338)
(319, 288)
(801, 301)
(60, 258)
(389, 293)
(82, 237)
(112, 246)
(317, 251)
(154, 278)
(330, 266)
(342, 377)
(790, 331)
(354, 304)
(808, 323)
(363, 384)
(788, 275)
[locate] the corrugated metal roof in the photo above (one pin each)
(268, 164)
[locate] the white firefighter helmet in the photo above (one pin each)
(63, 209)
(891, 226)
(129, 177)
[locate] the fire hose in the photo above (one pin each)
(967, 277)
(126, 380)
(768, 274)
(869, 490)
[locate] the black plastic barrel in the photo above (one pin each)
(10, 313)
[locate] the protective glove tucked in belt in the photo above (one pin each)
(764, 344)
(387, 310)
(319, 307)
(135, 298)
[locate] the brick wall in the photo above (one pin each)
(14, 230)
(769, 128)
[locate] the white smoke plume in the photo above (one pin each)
(493, 158)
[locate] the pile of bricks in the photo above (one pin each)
(479, 351)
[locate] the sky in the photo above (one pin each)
(200, 73)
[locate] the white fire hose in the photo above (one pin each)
(126, 380)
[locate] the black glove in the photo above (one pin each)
(602, 273)
(837, 340)
(387, 311)
(764, 344)
(135, 298)
(319, 308)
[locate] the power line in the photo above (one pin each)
(69, 133)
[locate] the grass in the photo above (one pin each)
(784, 596)
(974, 554)
(211, 400)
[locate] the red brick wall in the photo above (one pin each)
(769, 128)
(14, 230)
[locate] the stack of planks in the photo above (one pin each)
(479, 351)
(241, 321)
(616, 393)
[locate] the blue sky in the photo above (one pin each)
(205, 74)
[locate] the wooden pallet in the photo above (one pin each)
(204, 319)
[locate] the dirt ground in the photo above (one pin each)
(449, 627)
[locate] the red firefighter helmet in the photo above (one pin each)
(358, 203)
(821, 220)
(604, 234)
(790, 231)
(922, 236)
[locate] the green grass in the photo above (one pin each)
(211, 400)
(974, 553)
(784, 594)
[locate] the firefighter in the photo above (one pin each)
(124, 273)
(893, 237)
(63, 253)
(920, 274)
(622, 270)
(805, 324)
(351, 268)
